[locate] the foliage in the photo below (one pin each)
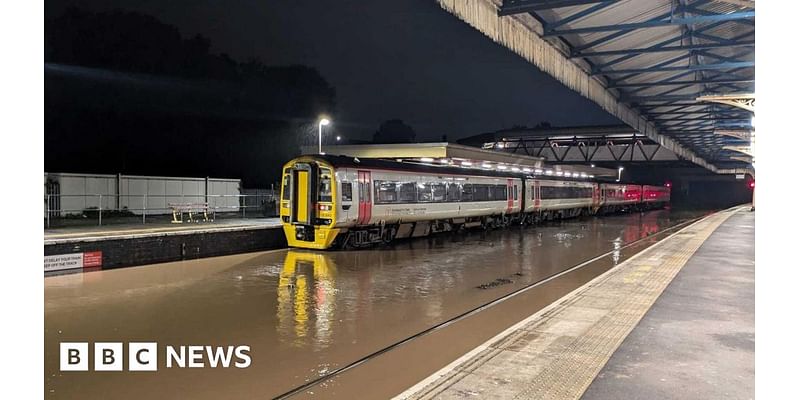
(394, 131)
(126, 93)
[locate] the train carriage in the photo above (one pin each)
(337, 201)
(619, 196)
(655, 196)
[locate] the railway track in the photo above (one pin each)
(642, 242)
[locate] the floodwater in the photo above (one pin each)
(306, 313)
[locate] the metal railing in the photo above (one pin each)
(126, 208)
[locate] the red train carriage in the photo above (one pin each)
(655, 196)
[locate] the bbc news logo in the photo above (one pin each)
(143, 356)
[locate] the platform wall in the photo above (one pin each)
(139, 194)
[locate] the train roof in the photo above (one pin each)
(377, 163)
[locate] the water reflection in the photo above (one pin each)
(616, 254)
(306, 292)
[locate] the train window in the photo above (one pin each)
(515, 192)
(287, 186)
(424, 192)
(324, 184)
(453, 192)
(439, 190)
(500, 192)
(347, 191)
(480, 192)
(408, 192)
(387, 192)
(466, 192)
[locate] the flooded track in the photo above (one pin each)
(305, 314)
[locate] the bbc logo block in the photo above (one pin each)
(109, 356)
(142, 356)
(74, 356)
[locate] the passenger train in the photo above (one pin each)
(338, 201)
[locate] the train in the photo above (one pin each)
(335, 201)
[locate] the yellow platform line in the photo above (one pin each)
(557, 352)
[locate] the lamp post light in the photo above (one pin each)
(322, 122)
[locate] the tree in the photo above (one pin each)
(394, 131)
(126, 93)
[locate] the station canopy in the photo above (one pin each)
(456, 155)
(678, 71)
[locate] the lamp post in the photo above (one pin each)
(322, 122)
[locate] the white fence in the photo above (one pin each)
(69, 193)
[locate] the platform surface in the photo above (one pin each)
(111, 232)
(558, 352)
(698, 339)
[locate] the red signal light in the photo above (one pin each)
(752, 184)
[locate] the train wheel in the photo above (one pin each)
(388, 235)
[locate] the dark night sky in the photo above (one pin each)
(387, 59)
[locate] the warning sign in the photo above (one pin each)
(92, 259)
(63, 261)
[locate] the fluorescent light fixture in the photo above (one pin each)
(583, 175)
(538, 171)
(526, 169)
(426, 159)
(487, 166)
(549, 172)
(444, 161)
(467, 163)
(559, 173)
(514, 169)
(502, 167)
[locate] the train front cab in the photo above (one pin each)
(308, 208)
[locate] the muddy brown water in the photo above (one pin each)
(305, 314)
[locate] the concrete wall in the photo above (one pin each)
(141, 194)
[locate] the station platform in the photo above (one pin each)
(127, 231)
(674, 321)
(114, 246)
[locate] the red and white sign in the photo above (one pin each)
(92, 259)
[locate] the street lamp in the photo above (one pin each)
(322, 122)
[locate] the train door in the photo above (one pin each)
(596, 195)
(536, 195)
(364, 198)
(510, 196)
(346, 192)
(304, 177)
